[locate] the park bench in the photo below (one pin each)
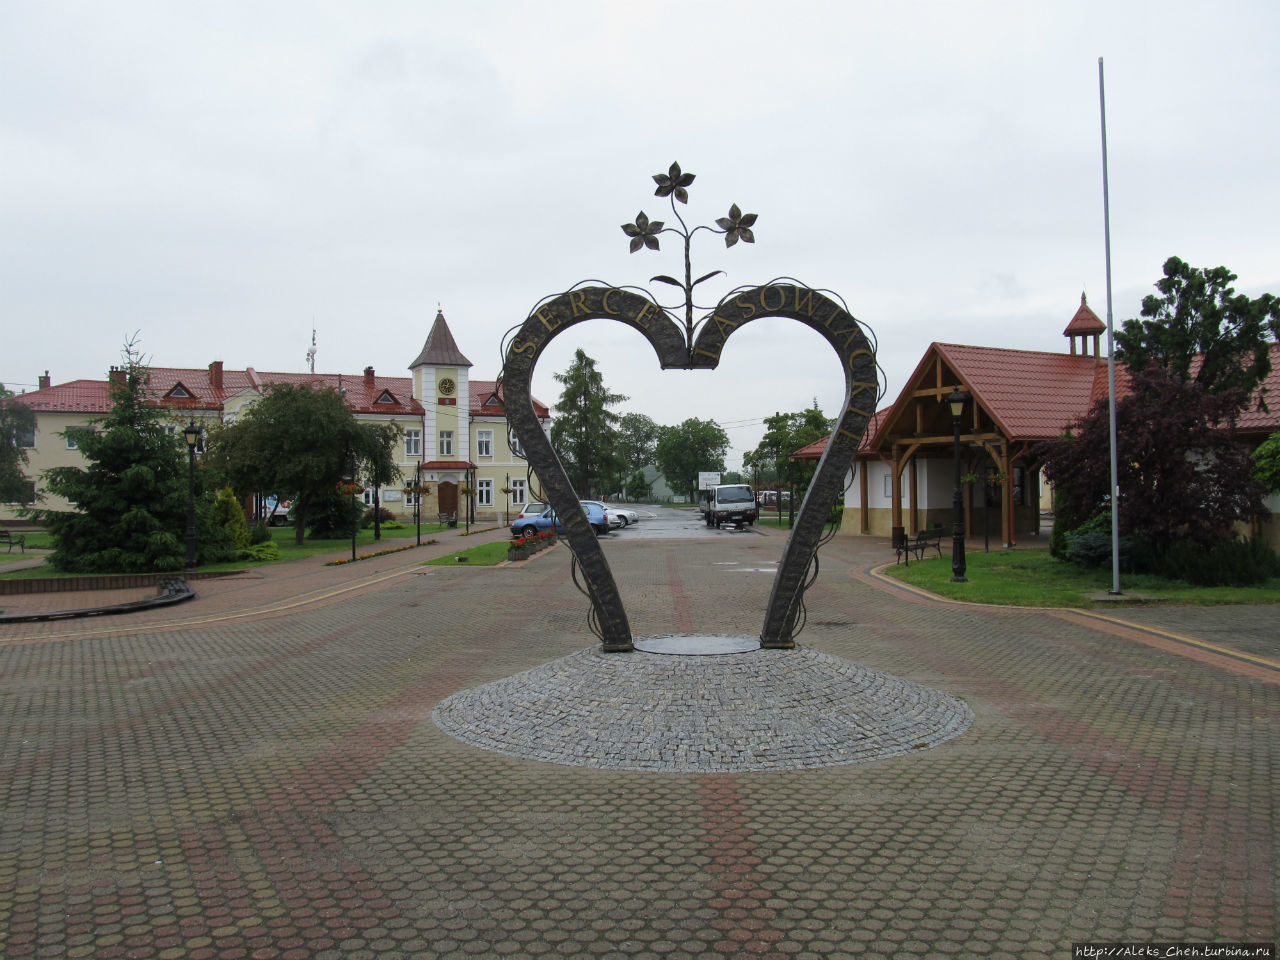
(10, 539)
(449, 519)
(907, 548)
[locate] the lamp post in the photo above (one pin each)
(956, 401)
(192, 436)
(417, 498)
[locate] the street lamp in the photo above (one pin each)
(417, 501)
(192, 436)
(956, 401)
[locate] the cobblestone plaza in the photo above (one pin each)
(258, 774)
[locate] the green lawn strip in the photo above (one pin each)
(284, 540)
(1032, 578)
(485, 555)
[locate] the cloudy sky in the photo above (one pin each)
(219, 179)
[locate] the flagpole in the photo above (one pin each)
(1111, 347)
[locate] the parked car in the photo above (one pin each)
(528, 526)
(613, 519)
(627, 515)
(532, 510)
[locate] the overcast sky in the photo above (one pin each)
(220, 178)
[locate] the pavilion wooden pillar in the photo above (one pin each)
(864, 509)
(914, 496)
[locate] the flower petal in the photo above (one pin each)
(650, 242)
(636, 243)
(734, 212)
(730, 238)
(682, 194)
(642, 221)
(724, 223)
(749, 220)
(747, 235)
(631, 230)
(655, 227)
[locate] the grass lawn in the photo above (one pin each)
(1032, 578)
(485, 555)
(284, 540)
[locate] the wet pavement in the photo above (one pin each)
(259, 775)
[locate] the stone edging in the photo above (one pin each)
(106, 581)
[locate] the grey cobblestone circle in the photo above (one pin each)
(763, 710)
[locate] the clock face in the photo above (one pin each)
(447, 386)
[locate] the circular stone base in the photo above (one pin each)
(696, 644)
(756, 710)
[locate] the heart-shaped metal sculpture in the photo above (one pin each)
(670, 343)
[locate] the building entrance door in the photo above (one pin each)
(448, 497)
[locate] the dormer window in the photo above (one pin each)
(179, 392)
(386, 397)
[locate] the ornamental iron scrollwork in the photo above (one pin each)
(694, 347)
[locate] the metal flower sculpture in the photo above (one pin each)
(644, 233)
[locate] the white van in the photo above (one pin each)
(729, 503)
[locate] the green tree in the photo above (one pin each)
(296, 443)
(1198, 314)
(637, 440)
(685, 451)
(131, 496)
(17, 426)
(584, 432)
(637, 443)
(1266, 463)
(378, 462)
(785, 433)
(1182, 475)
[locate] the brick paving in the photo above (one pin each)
(257, 775)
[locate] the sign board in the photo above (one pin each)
(708, 480)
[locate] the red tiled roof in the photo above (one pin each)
(77, 396)
(1258, 421)
(484, 391)
(1030, 395)
(93, 396)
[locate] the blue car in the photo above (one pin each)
(597, 516)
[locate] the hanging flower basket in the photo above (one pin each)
(348, 489)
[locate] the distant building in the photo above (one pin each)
(454, 428)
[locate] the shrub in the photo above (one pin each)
(260, 552)
(1089, 544)
(259, 533)
(228, 514)
(384, 515)
(1233, 562)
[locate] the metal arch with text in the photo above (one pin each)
(669, 342)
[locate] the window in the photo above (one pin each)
(517, 492)
(71, 442)
(412, 443)
(484, 493)
(516, 449)
(888, 485)
(484, 443)
(411, 498)
(27, 438)
(367, 496)
(28, 494)
(446, 443)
